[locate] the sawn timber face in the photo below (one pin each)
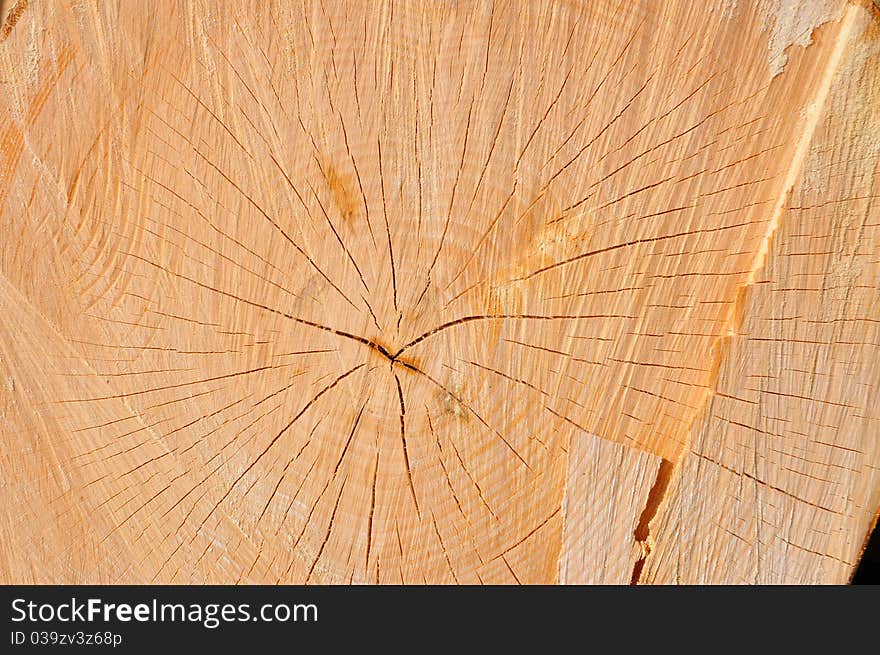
(326, 291)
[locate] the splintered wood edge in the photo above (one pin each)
(844, 117)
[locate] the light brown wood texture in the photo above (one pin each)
(439, 292)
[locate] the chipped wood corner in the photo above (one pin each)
(439, 292)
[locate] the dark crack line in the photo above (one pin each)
(642, 532)
(409, 476)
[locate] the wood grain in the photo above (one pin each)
(438, 292)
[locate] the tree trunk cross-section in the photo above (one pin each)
(436, 291)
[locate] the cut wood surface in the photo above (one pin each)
(439, 292)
